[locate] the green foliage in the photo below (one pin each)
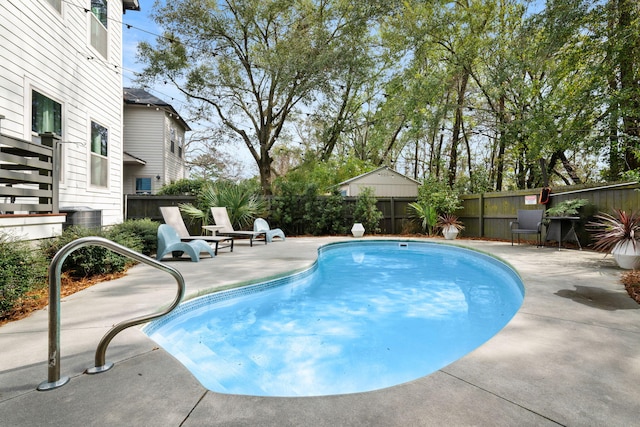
(425, 214)
(92, 260)
(323, 175)
(241, 200)
(145, 229)
(183, 187)
(439, 196)
(567, 207)
(366, 211)
(325, 215)
(21, 270)
(299, 209)
(289, 207)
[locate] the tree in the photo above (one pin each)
(252, 63)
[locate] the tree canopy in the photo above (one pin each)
(481, 94)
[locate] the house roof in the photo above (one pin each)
(130, 5)
(131, 159)
(349, 181)
(136, 96)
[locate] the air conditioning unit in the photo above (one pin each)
(82, 216)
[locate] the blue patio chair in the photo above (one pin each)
(169, 241)
(261, 225)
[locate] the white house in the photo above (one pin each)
(60, 71)
(154, 135)
(385, 183)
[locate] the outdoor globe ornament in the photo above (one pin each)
(357, 230)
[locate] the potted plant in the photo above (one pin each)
(450, 225)
(567, 208)
(619, 234)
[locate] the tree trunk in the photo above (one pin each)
(457, 125)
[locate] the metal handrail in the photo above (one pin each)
(55, 267)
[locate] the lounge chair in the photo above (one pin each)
(172, 217)
(169, 241)
(529, 222)
(221, 218)
(262, 225)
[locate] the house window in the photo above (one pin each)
(57, 4)
(46, 114)
(143, 185)
(99, 34)
(172, 132)
(99, 160)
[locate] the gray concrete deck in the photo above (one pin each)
(571, 356)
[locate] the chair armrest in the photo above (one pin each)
(512, 223)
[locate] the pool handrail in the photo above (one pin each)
(55, 267)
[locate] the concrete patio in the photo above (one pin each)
(570, 356)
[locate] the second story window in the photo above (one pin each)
(172, 145)
(99, 34)
(99, 160)
(46, 114)
(57, 4)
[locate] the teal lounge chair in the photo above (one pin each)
(169, 241)
(261, 225)
(221, 218)
(172, 217)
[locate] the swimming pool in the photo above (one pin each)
(367, 315)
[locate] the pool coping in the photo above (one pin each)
(569, 356)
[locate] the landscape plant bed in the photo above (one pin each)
(631, 282)
(39, 299)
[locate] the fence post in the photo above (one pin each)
(481, 215)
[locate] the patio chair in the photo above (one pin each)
(529, 221)
(172, 217)
(221, 218)
(261, 224)
(169, 241)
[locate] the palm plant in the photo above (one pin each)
(425, 213)
(243, 205)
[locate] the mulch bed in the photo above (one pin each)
(631, 282)
(39, 299)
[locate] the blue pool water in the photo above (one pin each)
(368, 315)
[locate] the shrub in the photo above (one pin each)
(91, 260)
(182, 187)
(366, 211)
(325, 215)
(439, 196)
(290, 208)
(241, 200)
(21, 270)
(145, 229)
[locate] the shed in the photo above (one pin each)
(385, 183)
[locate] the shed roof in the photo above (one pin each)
(349, 181)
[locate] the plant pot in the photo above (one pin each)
(357, 230)
(450, 232)
(626, 255)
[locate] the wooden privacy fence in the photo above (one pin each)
(394, 221)
(488, 215)
(484, 215)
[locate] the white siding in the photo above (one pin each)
(385, 182)
(147, 136)
(51, 53)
